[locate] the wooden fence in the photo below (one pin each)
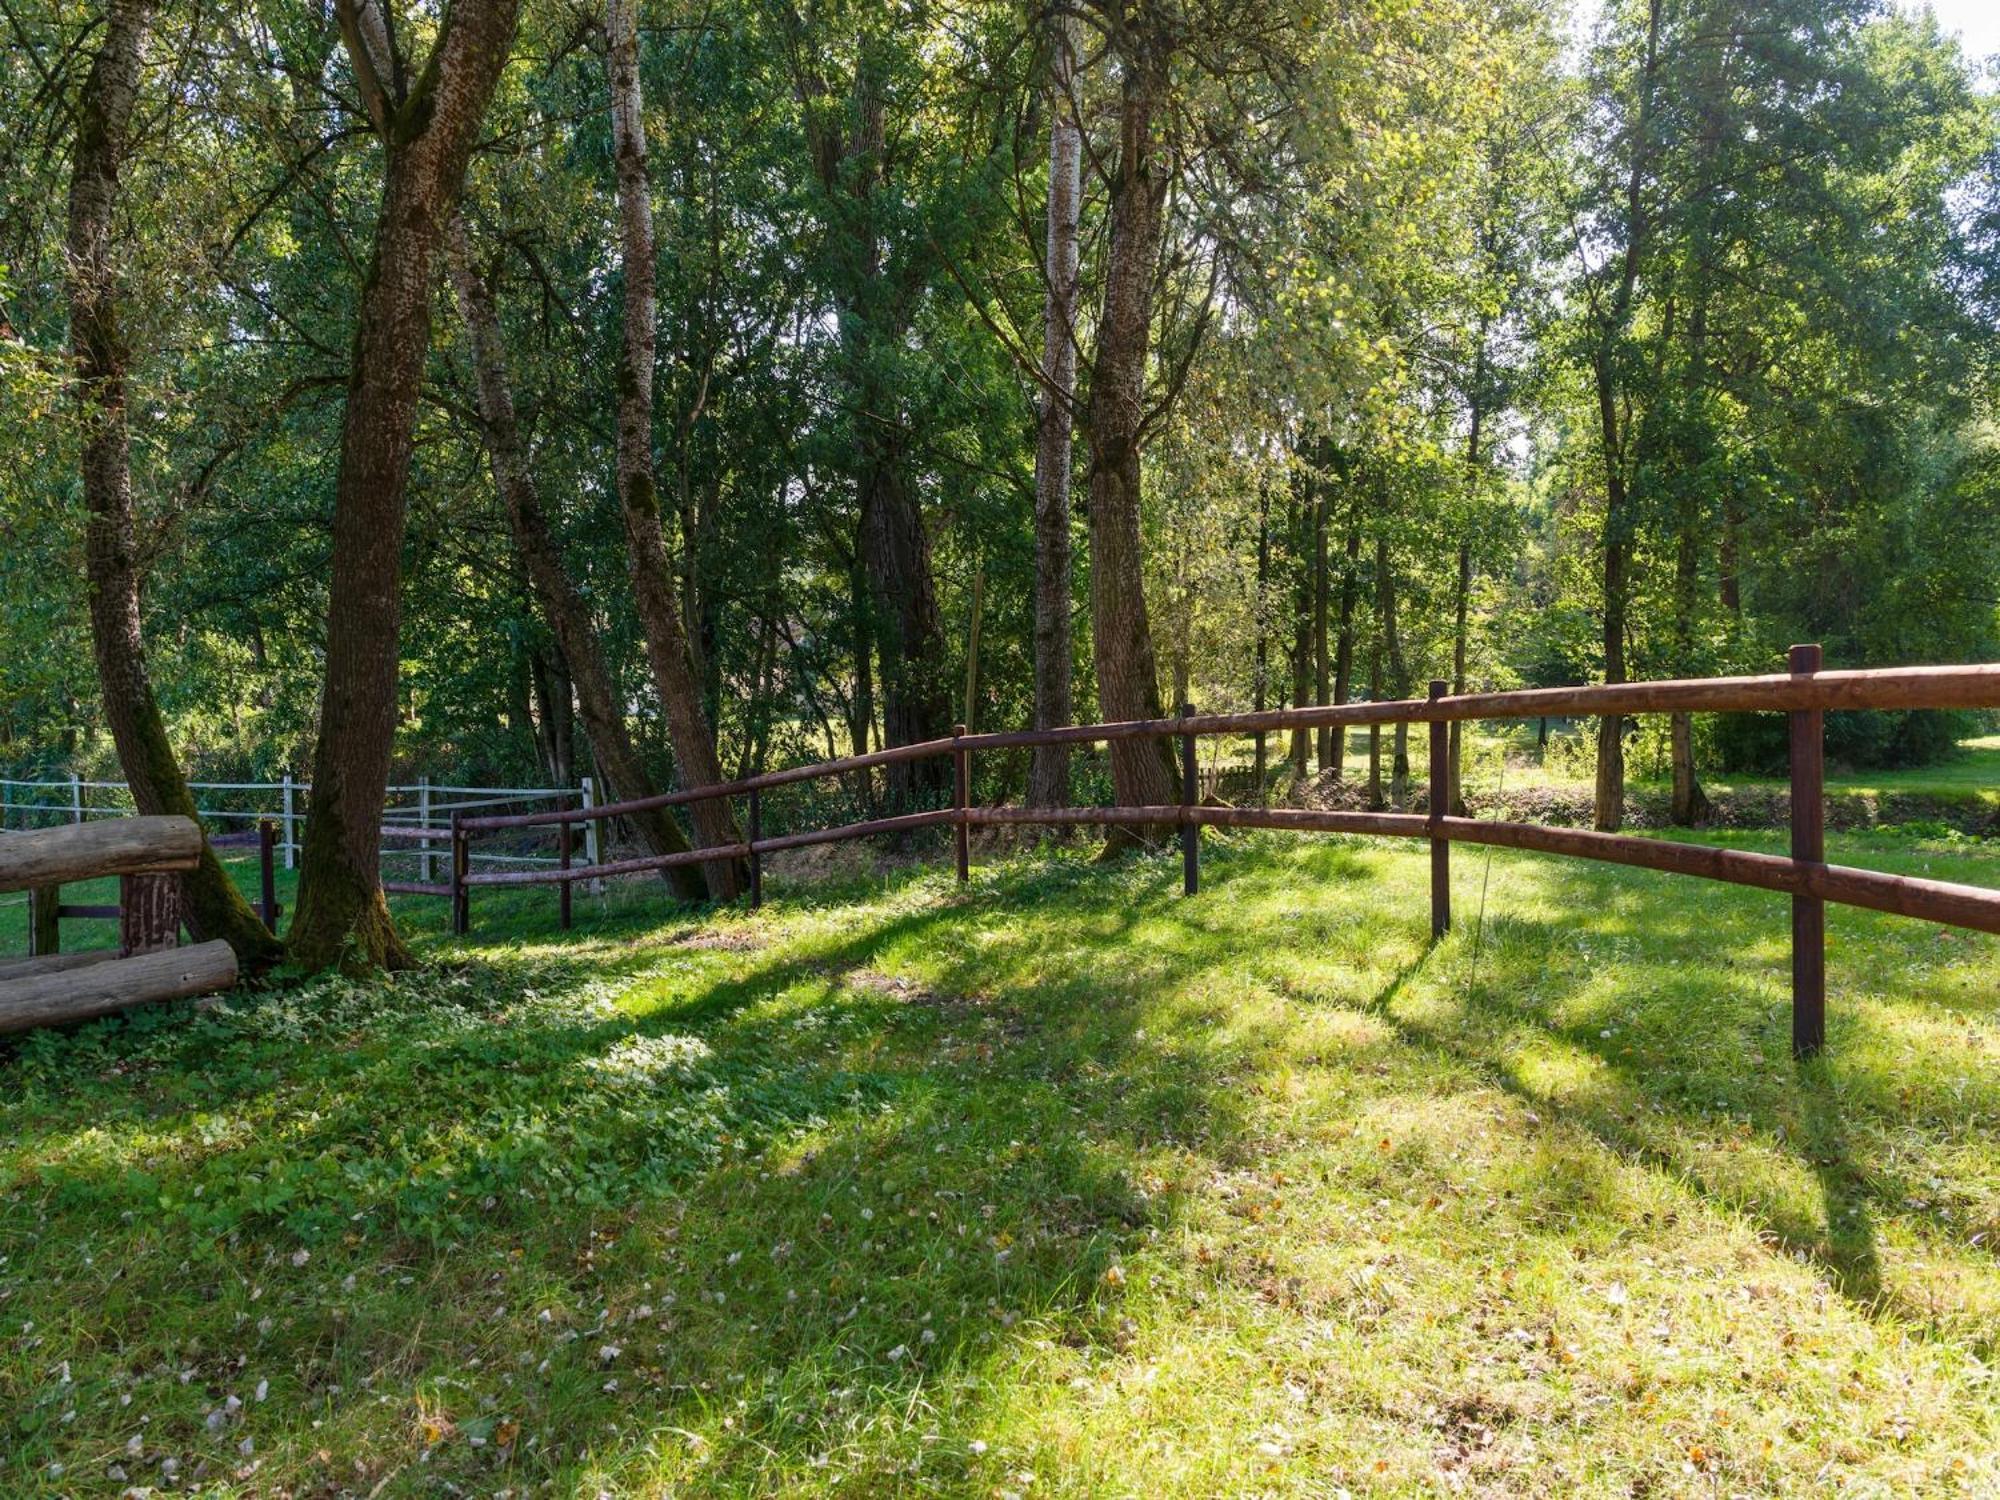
(148, 855)
(1805, 693)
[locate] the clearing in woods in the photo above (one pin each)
(1058, 1185)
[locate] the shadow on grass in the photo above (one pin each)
(841, 1192)
(841, 1185)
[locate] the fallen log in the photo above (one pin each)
(77, 994)
(54, 963)
(85, 851)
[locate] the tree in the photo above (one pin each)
(534, 539)
(652, 574)
(1048, 781)
(214, 907)
(427, 124)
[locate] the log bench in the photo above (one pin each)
(147, 855)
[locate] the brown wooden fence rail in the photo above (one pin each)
(1805, 693)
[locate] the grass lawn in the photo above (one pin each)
(1057, 1185)
(1972, 777)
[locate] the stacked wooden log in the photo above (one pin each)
(147, 855)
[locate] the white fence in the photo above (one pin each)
(427, 806)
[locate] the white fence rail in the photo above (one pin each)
(425, 805)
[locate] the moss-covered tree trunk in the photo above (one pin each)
(561, 602)
(427, 131)
(213, 906)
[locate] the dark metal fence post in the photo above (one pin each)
(756, 859)
(461, 859)
(562, 858)
(961, 777)
(1808, 761)
(1190, 833)
(267, 872)
(1439, 795)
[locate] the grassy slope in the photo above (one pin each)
(915, 1191)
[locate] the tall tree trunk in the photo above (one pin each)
(1399, 672)
(1375, 799)
(427, 136)
(561, 602)
(909, 632)
(1048, 777)
(1343, 655)
(1261, 685)
(1610, 790)
(1462, 592)
(645, 543)
(1689, 807)
(1297, 515)
(1461, 631)
(1322, 667)
(1128, 684)
(214, 907)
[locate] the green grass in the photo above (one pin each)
(1057, 1185)
(1972, 777)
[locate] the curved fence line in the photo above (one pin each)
(1805, 693)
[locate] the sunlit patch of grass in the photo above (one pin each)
(1057, 1184)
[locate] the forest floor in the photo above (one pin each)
(1059, 1184)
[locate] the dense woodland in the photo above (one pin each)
(672, 391)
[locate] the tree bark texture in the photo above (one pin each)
(556, 593)
(427, 138)
(652, 572)
(1128, 684)
(212, 905)
(1048, 776)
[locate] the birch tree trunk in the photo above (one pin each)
(1048, 777)
(645, 543)
(555, 591)
(427, 137)
(213, 907)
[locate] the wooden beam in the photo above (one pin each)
(84, 851)
(97, 989)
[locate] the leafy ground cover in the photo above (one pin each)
(1056, 1185)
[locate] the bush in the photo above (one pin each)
(1894, 740)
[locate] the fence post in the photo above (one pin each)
(75, 798)
(589, 789)
(291, 826)
(1190, 834)
(756, 859)
(267, 836)
(44, 922)
(562, 855)
(1439, 795)
(149, 913)
(461, 898)
(1808, 764)
(961, 777)
(426, 860)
